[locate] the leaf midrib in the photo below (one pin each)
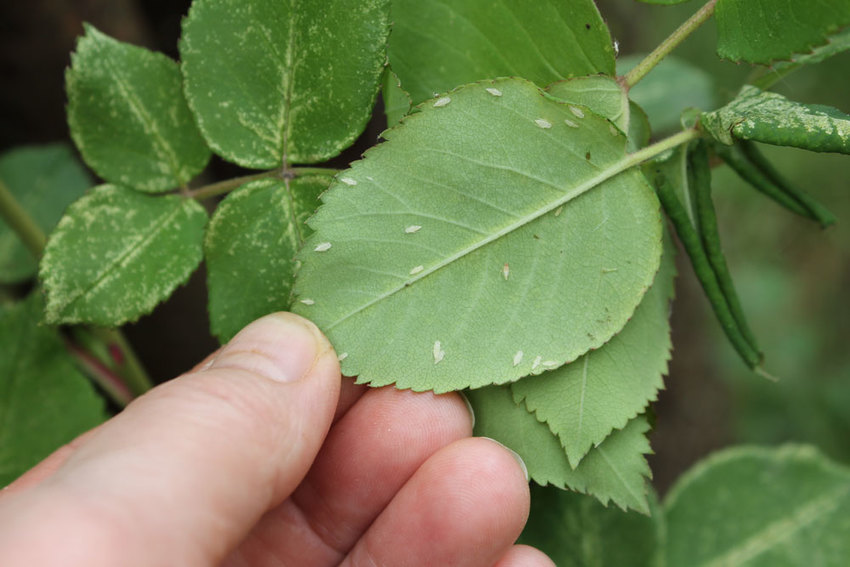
(615, 169)
(135, 247)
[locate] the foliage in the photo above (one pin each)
(505, 238)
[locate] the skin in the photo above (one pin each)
(261, 456)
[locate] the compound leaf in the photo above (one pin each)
(128, 116)
(760, 507)
(273, 81)
(256, 230)
(762, 31)
(582, 402)
(447, 259)
(44, 180)
(773, 119)
(575, 530)
(437, 45)
(117, 253)
(614, 470)
(44, 401)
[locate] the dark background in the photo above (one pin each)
(793, 278)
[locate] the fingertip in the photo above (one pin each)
(524, 556)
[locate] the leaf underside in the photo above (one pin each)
(44, 401)
(582, 402)
(438, 45)
(44, 180)
(760, 507)
(615, 470)
(762, 31)
(446, 259)
(117, 253)
(128, 117)
(273, 81)
(250, 248)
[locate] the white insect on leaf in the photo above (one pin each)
(494, 92)
(416, 270)
(322, 247)
(579, 113)
(506, 271)
(543, 123)
(439, 353)
(343, 356)
(348, 181)
(570, 123)
(518, 357)
(308, 302)
(558, 211)
(536, 364)
(442, 102)
(412, 228)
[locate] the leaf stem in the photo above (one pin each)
(125, 359)
(660, 147)
(663, 50)
(24, 226)
(228, 185)
(111, 384)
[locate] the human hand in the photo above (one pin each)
(263, 456)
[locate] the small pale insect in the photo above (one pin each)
(558, 211)
(439, 353)
(322, 247)
(308, 302)
(549, 364)
(416, 270)
(348, 181)
(506, 271)
(412, 228)
(616, 48)
(343, 356)
(570, 123)
(543, 123)
(494, 92)
(442, 102)
(613, 130)
(518, 357)
(579, 113)
(536, 364)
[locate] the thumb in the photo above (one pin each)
(181, 476)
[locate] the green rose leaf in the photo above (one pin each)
(397, 101)
(760, 507)
(603, 95)
(117, 253)
(762, 31)
(273, 81)
(836, 44)
(773, 119)
(673, 84)
(437, 45)
(584, 401)
(256, 230)
(44, 401)
(615, 470)
(447, 259)
(575, 530)
(44, 180)
(128, 116)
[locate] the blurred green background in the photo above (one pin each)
(793, 278)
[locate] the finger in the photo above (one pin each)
(48, 466)
(368, 456)
(464, 507)
(183, 473)
(524, 556)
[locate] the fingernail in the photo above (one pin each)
(468, 407)
(282, 347)
(515, 456)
